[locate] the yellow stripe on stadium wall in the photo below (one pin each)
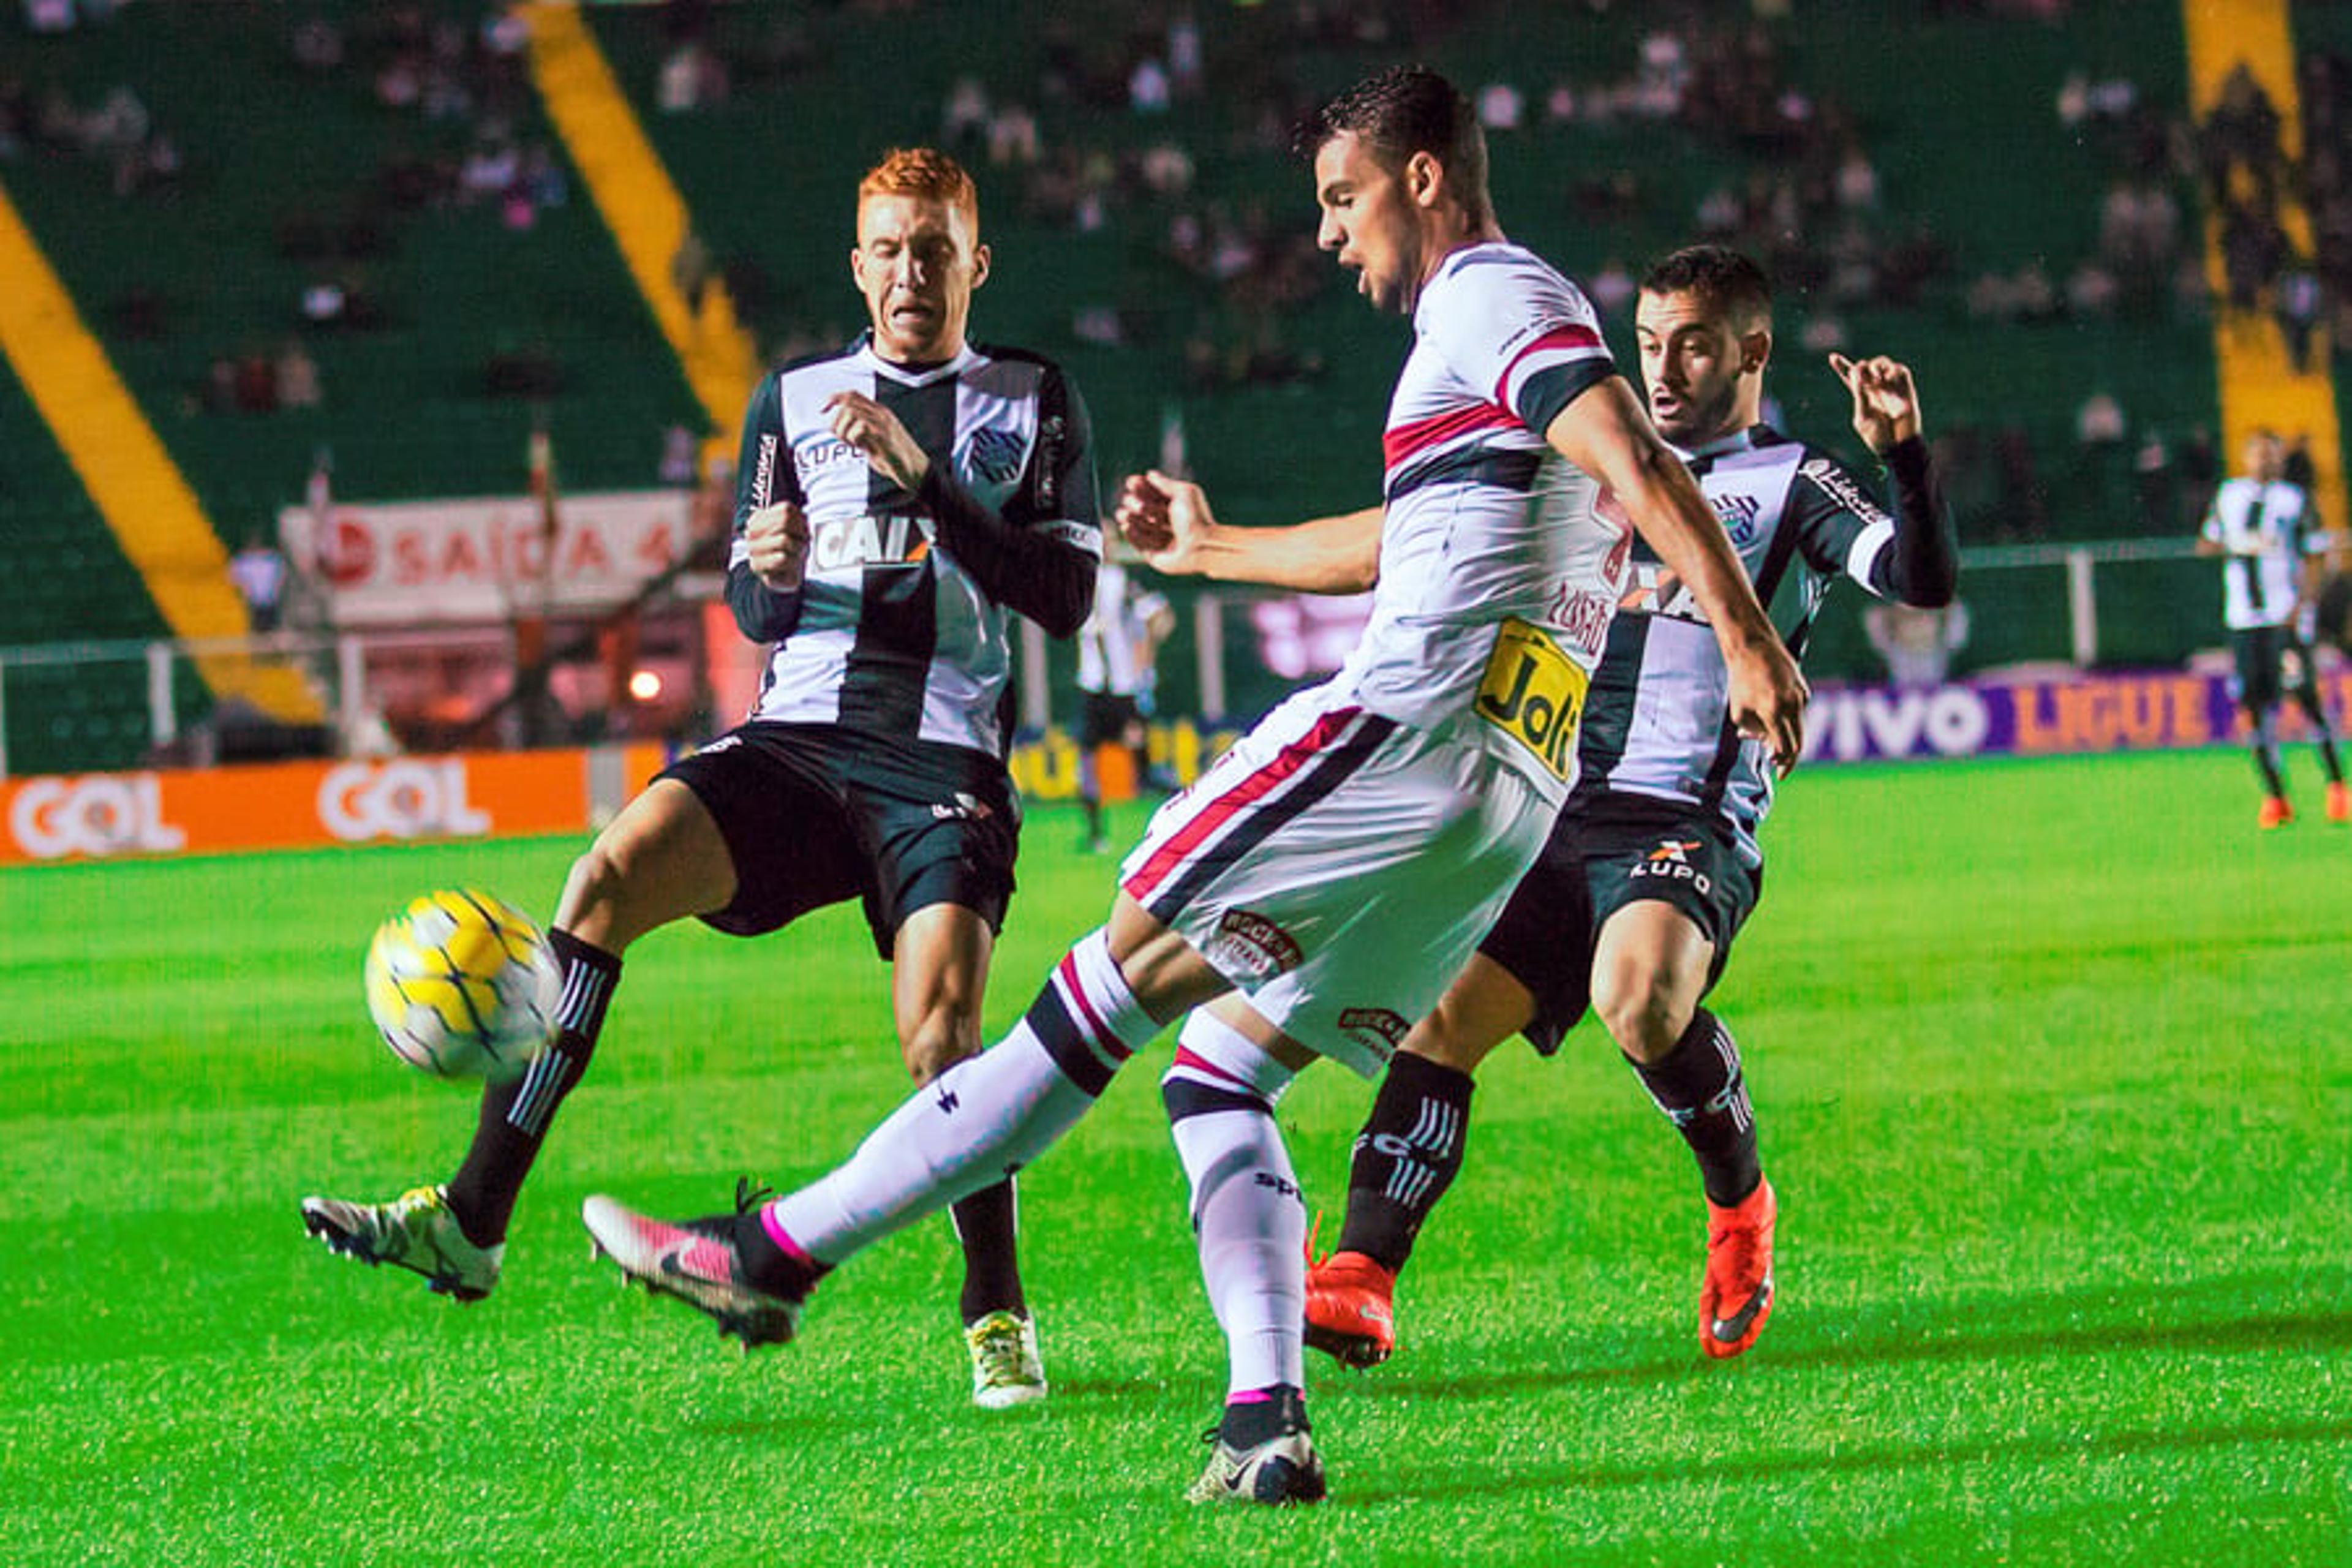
(131, 480)
(643, 209)
(2259, 385)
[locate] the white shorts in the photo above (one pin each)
(1339, 868)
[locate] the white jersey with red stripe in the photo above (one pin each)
(1498, 572)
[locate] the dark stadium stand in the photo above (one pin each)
(287, 176)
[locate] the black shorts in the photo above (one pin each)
(1104, 717)
(816, 815)
(1617, 850)
(2262, 660)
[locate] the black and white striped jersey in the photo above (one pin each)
(901, 628)
(1656, 723)
(2266, 529)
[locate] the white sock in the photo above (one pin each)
(1246, 1211)
(982, 1119)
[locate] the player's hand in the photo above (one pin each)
(874, 430)
(1885, 400)
(1767, 699)
(776, 545)
(1168, 522)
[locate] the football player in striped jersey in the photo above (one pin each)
(898, 501)
(1340, 863)
(1653, 864)
(2261, 527)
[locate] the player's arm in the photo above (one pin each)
(1170, 522)
(1604, 432)
(767, 560)
(1040, 555)
(1920, 565)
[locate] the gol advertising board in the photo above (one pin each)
(282, 806)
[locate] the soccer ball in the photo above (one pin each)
(462, 985)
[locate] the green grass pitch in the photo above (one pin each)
(2051, 1065)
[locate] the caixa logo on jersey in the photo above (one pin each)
(410, 799)
(104, 813)
(852, 543)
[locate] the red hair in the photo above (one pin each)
(926, 172)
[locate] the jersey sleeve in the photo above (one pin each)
(1841, 529)
(1040, 555)
(1520, 332)
(763, 474)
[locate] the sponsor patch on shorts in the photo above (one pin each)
(1250, 941)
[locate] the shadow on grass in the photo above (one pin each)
(1390, 1483)
(2251, 1312)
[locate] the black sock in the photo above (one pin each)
(1407, 1155)
(1699, 1086)
(2307, 697)
(2267, 761)
(768, 1267)
(515, 1116)
(986, 1223)
(1250, 1422)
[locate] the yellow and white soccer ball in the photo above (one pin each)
(462, 984)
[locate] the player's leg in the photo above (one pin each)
(662, 858)
(2304, 687)
(939, 973)
(1230, 1071)
(1405, 1158)
(1652, 966)
(974, 1125)
(2259, 650)
(1529, 974)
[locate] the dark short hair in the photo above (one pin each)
(1403, 111)
(1729, 280)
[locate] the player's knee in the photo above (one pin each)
(1642, 1013)
(937, 1041)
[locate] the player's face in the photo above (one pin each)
(917, 263)
(1703, 375)
(2262, 459)
(1370, 221)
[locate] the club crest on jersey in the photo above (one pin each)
(992, 455)
(1737, 513)
(1535, 694)
(1250, 941)
(852, 543)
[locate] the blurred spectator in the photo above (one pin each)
(259, 572)
(680, 448)
(1917, 645)
(2099, 422)
(2296, 302)
(297, 375)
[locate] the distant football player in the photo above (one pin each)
(897, 500)
(1118, 650)
(1335, 866)
(2261, 526)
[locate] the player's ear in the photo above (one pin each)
(1424, 175)
(1755, 351)
(979, 264)
(857, 267)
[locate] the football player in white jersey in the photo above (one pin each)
(1654, 865)
(2261, 526)
(896, 501)
(1338, 865)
